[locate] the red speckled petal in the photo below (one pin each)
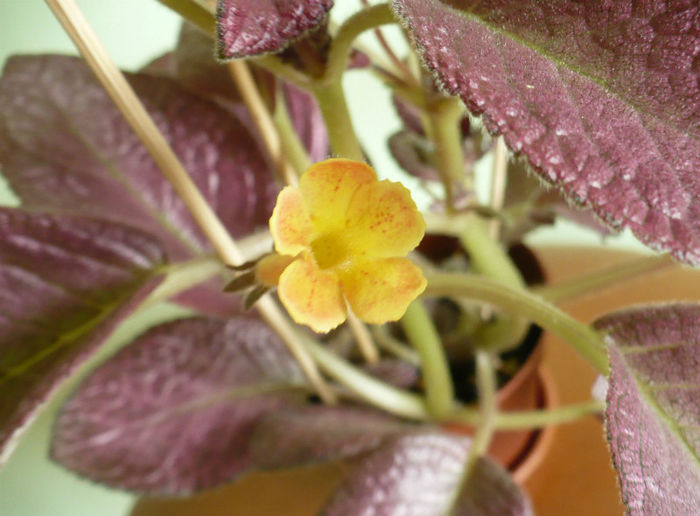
(328, 187)
(384, 221)
(312, 296)
(290, 224)
(379, 291)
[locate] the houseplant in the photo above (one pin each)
(600, 101)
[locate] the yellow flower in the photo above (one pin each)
(341, 239)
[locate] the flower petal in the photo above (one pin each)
(379, 291)
(290, 223)
(384, 221)
(327, 188)
(269, 269)
(311, 295)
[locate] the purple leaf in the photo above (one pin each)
(65, 283)
(305, 435)
(251, 27)
(421, 474)
(195, 67)
(412, 152)
(652, 415)
(396, 372)
(307, 120)
(603, 98)
(173, 412)
(65, 148)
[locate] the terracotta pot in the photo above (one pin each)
(525, 391)
(567, 469)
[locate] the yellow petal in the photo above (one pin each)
(384, 221)
(379, 291)
(327, 188)
(312, 296)
(269, 269)
(290, 224)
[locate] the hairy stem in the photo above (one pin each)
(499, 178)
(421, 333)
(334, 108)
(121, 93)
(584, 339)
(443, 119)
(375, 16)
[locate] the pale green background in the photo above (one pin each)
(134, 31)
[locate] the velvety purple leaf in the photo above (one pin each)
(173, 412)
(412, 152)
(396, 372)
(251, 27)
(409, 115)
(420, 475)
(65, 282)
(65, 148)
(491, 491)
(307, 120)
(306, 435)
(528, 205)
(652, 415)
(603, 98)
(195, 67)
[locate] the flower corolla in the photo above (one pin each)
(341, 240)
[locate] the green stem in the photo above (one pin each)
(371, 390)
(444, 116)
(488, 410)
(581, 337)
(528, 419)
(341, 45)
(292, 148)
(540, 418)
(275, 65)
(486, 255)
(334, 109)
(422, 334)
(607, 277)
(181, 276)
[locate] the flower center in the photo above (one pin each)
(331, 249)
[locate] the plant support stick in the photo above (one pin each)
(77, 27)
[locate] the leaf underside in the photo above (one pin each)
(72, 152)
(65, 283)
(602, 98)
(421, 474)
(652, 416)
(172, 413)
(251, 27)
